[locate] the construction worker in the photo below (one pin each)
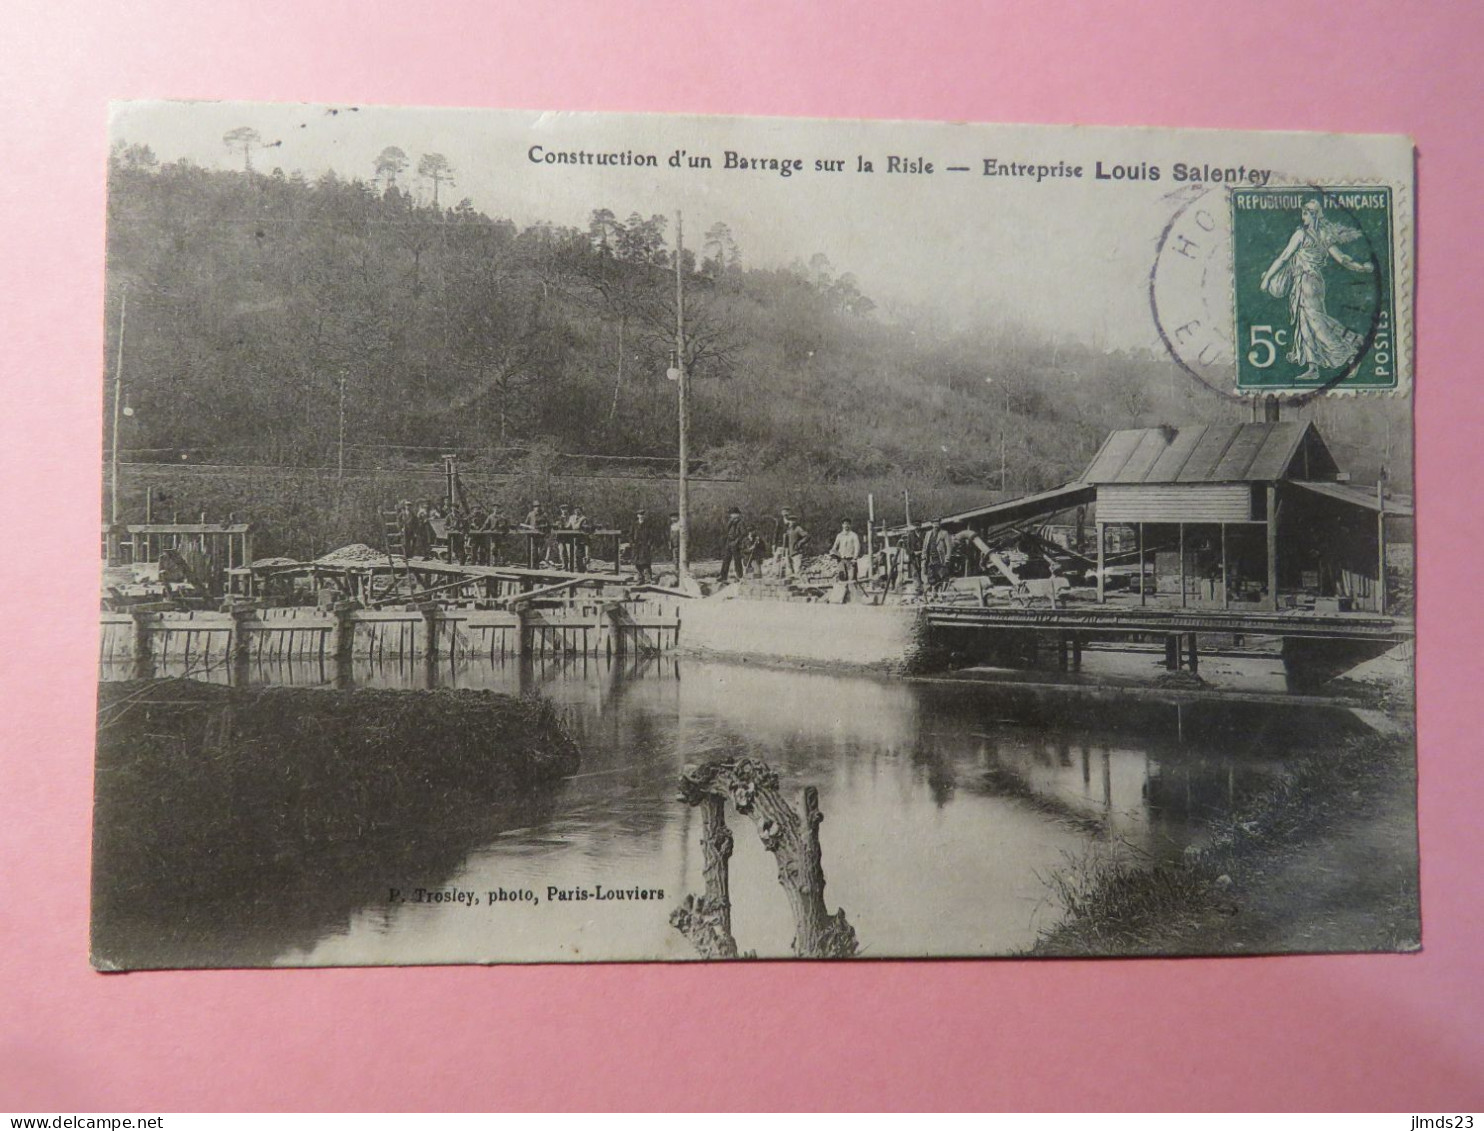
(795, 539)
(537, 523)
(641, 546)
(580, 526)
(407, 520)
(498, 527)
(458, 527)
(937, 553)
(754, 552)
(846, 550)
(558, 548)
(478, 536)
(731, 554)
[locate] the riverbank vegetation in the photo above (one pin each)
(1325, 859)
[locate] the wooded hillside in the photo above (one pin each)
(270, 317)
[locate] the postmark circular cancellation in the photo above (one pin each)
(1286, 290)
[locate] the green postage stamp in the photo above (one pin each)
(1313, 284)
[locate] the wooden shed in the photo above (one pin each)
(1247, 514)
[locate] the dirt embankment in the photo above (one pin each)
(1325, 860)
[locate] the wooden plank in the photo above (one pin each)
(1191, 502)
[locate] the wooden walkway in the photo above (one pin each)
(1090, 620)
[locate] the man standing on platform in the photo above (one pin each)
(499, 527)
(937, 552)
(731, 554)
(581, 527)
(847, 551)
(477, 537)
(754, 551)
(559, 548)
(795, 539)
(641, 546)
(537, 522)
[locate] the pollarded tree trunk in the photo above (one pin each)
(707, 921)
(752, 787)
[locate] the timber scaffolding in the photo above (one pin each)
(459, 614)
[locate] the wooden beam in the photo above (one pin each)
(1273, 546)
(532, 594)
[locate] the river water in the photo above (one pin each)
(948, 805)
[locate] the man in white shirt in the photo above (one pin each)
(847, 550)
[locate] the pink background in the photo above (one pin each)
(1350, 1032)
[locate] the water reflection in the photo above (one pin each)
(945, 804)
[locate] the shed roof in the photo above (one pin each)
(1028, 507)
(1212, 453)
(1364, 497)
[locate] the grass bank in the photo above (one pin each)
(1323, 860)
(231, 823)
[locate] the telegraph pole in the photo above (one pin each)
(683, 565)
(340, 441)
(118, 404)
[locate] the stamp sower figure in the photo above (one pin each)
(675, 539)
(847, 551)
(1319, 341)
(731, 554)
(641, 545)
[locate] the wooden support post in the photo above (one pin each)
(1272, 547)
(429, 642)
(523, 633)
(1101, 558)
(144, 661)
(752, 786)
(1381, 555)
(239, 646)
(1225, 588)
(342, 644)
(1076, 652)
(1182, 565)
(1195, 660)
(1143, 600)
(1172, 653)
(1062, 649)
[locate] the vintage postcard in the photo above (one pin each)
(553, 537)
